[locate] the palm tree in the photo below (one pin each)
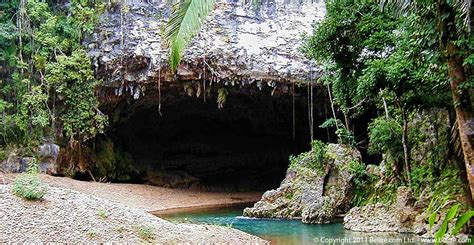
(452, 24)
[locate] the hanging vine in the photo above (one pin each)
(293, 109)
(221, 97)
(312, 108)
(159, 87)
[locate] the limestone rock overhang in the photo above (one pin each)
(239, 44)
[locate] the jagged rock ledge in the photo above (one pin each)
(237, 44)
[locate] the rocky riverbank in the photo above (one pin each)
(65, 215)
(317, 187)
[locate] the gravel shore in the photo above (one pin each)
(66, 215)
(147, 197)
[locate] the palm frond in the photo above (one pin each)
(465, 9)
(185, 21)
(398, 7)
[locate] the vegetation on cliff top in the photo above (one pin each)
(46, 79)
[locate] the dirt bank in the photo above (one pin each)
(151, 198)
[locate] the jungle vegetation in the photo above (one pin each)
(393, 58)
(47, 82)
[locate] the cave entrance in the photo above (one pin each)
(243, 146)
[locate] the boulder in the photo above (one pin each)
(48, 155)
(400, 216)
(15, 164)
(315, 194)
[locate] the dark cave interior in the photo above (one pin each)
(243, 146)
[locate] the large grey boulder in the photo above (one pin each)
(314, 193)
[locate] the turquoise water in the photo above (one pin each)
(286, 231)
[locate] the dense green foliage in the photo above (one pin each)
(392, 66)
(384, 138)
(28, 185)
(314, 159)
(374, 60)
(46, 79)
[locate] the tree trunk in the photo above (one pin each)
(346, 120)
(462, 107)
(406, 150)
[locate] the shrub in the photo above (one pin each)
(385, 137)
(372, 191)
(28, 185)
(314, 159)
(358, 170)
(319, 150)
(145, 233)
(344, 135)
(102, 214)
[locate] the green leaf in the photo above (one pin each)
(432, 219)
(439, 235)
(185, 22)
(461, 221)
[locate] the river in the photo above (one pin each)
(287, 231)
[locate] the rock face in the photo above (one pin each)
(15, 163)
(401, 216)
(48, 154)
(315, 194)
(237, 42)
(435, 126)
